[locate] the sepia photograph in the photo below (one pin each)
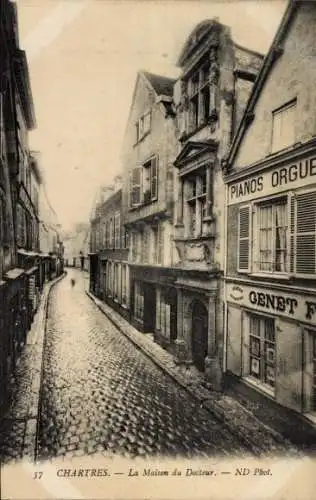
(157, 249)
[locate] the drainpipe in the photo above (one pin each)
(225, 272)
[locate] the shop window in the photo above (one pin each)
(314, 374)
(139, 301)
(124, 285)
(262, 349)
(283, 126)
(158, 244)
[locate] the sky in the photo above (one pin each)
(83, 60)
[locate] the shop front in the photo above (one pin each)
(271, 342)
(15, 319)
(154, 303)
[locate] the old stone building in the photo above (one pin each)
(210, 96)
(149, 150)
(17, 118)
(109, 270)
(271, 221)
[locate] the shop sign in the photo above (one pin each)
(291, 176)
(298, 307)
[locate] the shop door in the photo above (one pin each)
(199, 334)
(149, 308)
(173, 301)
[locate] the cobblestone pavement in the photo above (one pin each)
(102, 394)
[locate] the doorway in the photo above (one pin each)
(199, 335)
(149, 308)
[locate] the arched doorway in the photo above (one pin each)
(199, 334)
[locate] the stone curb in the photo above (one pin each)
(30, 438)
(200, 394)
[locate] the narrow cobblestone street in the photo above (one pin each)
(101, 394)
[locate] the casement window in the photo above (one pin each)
(139, 301)
(111, 232)
(144, 183)
(134, 246)
(262, 349)
(117, 230)
(143, 126)
(106, 234)
(199, 97)
(270, 234)
(136, 187)
(150, 180)
(273, 235)
(144, 246)
(283, 126)
(195, 195)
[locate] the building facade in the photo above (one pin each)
(17, 118)
(271, 220)
(109, 278)
(149, 150)
(210, 96)
(77, 245)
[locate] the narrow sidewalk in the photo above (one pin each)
(18, 427)
(256, 436)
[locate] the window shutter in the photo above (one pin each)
(244, 238)
(305, 240)
(292, 233)
(154, 178)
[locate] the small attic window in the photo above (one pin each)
(143, 126)
(283, 126)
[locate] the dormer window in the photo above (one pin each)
(143, 126)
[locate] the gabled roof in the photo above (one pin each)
(275, 51)
(161, 84)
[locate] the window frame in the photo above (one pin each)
(260, 381)
(292, 104)
(255, 234)
(141, 128)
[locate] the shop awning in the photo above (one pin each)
(28, 253)
(31, 270)
(15, 273)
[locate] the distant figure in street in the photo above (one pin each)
(73, 282)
